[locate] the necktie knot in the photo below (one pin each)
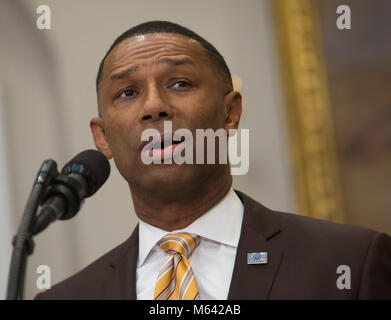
(182, 243)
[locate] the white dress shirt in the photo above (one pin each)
(212, 260)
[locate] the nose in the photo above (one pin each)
(155, 107)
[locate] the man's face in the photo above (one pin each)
(150, 79)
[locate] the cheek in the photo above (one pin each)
(124, 146)
(120, 135)
(208, 113)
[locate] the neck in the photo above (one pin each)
(167, 213)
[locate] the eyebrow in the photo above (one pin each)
(124, 74)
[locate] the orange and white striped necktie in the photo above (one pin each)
(176, 280)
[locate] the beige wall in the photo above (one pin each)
(50, 97)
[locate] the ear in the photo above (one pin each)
(99, 135)
(233, 104)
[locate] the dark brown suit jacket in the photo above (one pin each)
(303, 257)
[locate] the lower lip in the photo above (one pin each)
(165, 153)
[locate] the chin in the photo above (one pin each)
(170, 177)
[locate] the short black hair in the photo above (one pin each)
(170, 27)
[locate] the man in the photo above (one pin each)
(197, 237)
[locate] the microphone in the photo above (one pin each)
(80, 178)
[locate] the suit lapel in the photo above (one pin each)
(259, 226)
(123, 282)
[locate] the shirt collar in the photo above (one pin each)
(229, 209)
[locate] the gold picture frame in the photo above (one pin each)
(309, 115)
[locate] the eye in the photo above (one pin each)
(180, 84)
(127, 93)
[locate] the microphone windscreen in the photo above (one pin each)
(93, 165)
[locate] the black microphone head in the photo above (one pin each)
(93, 165)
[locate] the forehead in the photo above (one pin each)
(153, 47)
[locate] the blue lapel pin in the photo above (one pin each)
(257, 258)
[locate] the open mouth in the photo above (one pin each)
(163, 149)
(165, 144)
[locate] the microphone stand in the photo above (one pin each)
(23, 244)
